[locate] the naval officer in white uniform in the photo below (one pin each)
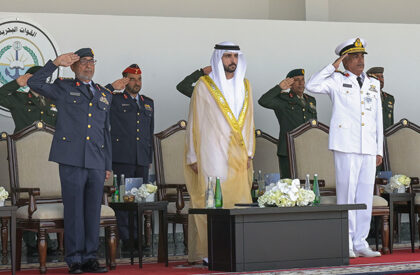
(356, 135)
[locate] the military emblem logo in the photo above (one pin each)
(22, 46)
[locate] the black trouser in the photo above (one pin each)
(284, 167)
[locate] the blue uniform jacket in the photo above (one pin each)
(132, 129)
(82, 137)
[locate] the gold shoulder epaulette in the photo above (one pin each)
(105, 88)
(340, 72)
(64, 78)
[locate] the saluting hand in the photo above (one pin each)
(66, 59)
(337, 62)
(22, 80)
(207, 70)
(120, 84)
(286, 83)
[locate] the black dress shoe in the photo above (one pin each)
(75, 268)
(92, 266)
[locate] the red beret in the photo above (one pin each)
(132, 69)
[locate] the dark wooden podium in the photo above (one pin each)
(253, 238)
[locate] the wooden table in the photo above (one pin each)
(10, 211)
(253, 238)
(392, 198)
(139, 208)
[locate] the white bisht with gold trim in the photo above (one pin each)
(220, 144)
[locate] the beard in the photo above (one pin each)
(230, 68)
(133, 90)
(85, 77)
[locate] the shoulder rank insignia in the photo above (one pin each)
(147, 106)
(104, 100)
(77, 83)
(312, 105)
(105, 88)
(345, 74)
(290, 95)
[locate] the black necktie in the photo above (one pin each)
(89, 90)
(359, 79)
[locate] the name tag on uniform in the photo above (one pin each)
(74, 93)
(347, 85)
(125, 105)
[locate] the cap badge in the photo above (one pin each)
(358, 43)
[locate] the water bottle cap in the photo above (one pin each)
(307, 175)
(315, 175)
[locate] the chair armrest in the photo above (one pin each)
(32, 192)
(327, 192)
(414, 180)
(321, 183)
(378, 184)
(108, 190)
(180, 189)
(381, 181)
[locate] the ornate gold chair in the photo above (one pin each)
(36, 190)
(309, 154)
(265, 157)
(402, 156)
(169, 146)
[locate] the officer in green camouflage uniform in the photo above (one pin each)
(388, 100)
(292, 109)
(186, 86)
(26, 108)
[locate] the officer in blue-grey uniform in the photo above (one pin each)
(132, 125)
(82, 148)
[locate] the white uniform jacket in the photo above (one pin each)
(356, 120)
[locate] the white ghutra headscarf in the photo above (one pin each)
(235, 98)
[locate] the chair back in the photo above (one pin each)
(169, 146)
(402, 148)
(265, 157)
(309, 154)
(28, 152)
(4, 163)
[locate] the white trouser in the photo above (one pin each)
(355, 179)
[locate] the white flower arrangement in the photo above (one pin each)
(3, 193)
(396, 182)
(286, 193)
(144, 191)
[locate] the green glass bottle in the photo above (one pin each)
(317, 199)
(218, 198)
(115, 185)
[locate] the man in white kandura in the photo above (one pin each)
(220, 139)
(356, 135)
